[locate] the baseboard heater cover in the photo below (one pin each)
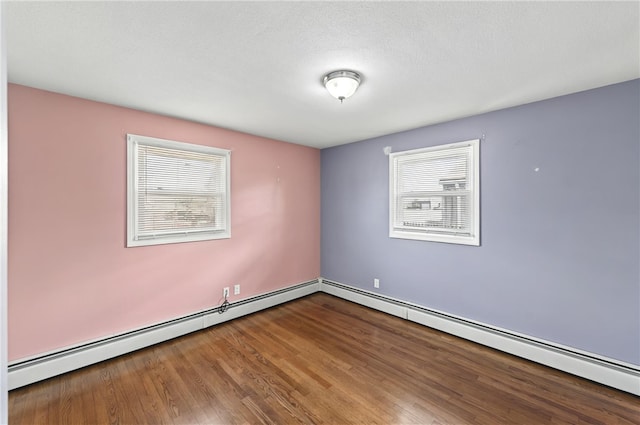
(28, 371)
(609, 372)
(616, 374)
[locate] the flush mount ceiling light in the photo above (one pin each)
(342, 84)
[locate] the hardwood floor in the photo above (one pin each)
(320, 360)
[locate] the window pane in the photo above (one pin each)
(179, 190)
(433, 193)
(449, 212)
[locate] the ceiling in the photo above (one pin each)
(257, 67)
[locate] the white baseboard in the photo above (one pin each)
(610, 372)
(26, 372)
(625, 377)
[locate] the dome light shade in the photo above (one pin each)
(342, 84)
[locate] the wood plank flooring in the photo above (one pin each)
(319, 360)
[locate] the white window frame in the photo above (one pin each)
(467, 236)
(136, 237)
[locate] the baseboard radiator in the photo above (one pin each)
(28, 371)
(610, 372)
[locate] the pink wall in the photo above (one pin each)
(72, 280)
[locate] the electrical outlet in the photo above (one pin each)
(376, 283)
(225, 292)
(236, 289)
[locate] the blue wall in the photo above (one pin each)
(560, 247)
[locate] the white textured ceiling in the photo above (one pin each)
(257, 67)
